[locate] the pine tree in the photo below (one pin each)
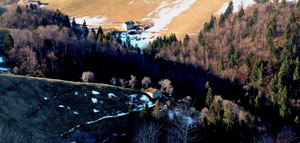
(99, 32)
(229, 9)
(297, 62)
(296, 120)
(220, 65)
(8, 43)
(18, 10)
(236, 57)
(283, 4)
(209, 97)
(231, 62)
(298, 4)
(230, 51)
(255, 13)
(273, 87)
(296, 75)
(201, 39)
(241, 13)
(186, 40)
(228, 115)
(222, 20)
(44, 21)
(247, 119)
(256, 102)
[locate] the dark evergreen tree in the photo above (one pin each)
(18, 10)
(44, 21)
(8, 43)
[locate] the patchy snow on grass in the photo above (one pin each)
(96, 111)
(61, 106)
(95, 92)
(76, 112)
(166, 12)
(1, 59)
(106, 117)
(223, 9)
(144, 98)
(237, 4)
(131, 2)
(94, 100)
(111, 95)
(91, 20)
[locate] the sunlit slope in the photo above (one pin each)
(192, 20)
(114, 10)
(188, 21)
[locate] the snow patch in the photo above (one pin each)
(76, 93)
(96, 111)
(91, 20)
(237, 4)
(46, 98)
(4, 69)
(85, 94)
(165, 12)
(76, 112)
(1, 59)
(94, 100)
(95, 92)
(68, 108)
(131, 2)
(61, 106)
(111, 95)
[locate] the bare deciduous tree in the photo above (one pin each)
(88, 76)
(123, 82)
(165, 86)
(113, 81)
(182, 125)
(146, 82)
(132, 82)
(147, 133)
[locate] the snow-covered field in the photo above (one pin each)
(97, 20)
(141, 40)
(166, 12)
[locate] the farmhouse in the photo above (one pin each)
(129, 25)
(34, 2)
(153, 93)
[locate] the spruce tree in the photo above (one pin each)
(230, 51)
(44, 21)
(186, 40)
(296, 120)
(241, 13)
(209, 97)
(220, 65)
(228, 115)
(296, 75)
(8, 43)
(18, 10)
(283, 4)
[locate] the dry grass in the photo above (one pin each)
(189, 21)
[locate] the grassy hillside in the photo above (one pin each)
(124, 10)
(30, 110)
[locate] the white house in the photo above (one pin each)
(153, 93)
(34, 2)
(129, 25)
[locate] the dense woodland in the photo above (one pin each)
(241, 72)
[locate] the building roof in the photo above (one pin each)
(129, 22)
(151, 90)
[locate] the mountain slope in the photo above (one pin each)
(196, 12)
(46, 110)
